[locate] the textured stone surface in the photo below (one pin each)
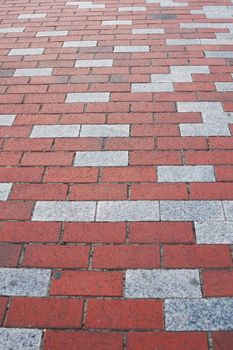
(205, 129)
(11, 30)
(132, 8)
(228, 209)
(24, 282)
(131, 48)
(52, 33)
(101, 158)
(196, 173)
(162, 284)
(5, 189)
(32, 15)
(199, 314)
(167, 3)
(128, 211)
(88, 97)
(191, 210)
(25, 52)
(94, 63)
(20, 339)
(40, 131)
(204, 107)
(224, 86)
(148, 31)
(79, 43)
(214, 232)
(117, 22)
(104, 131)
(33, 72)
(7, 119)
(64, 211)
(152, 87)
(219, 54)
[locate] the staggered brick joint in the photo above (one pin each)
(116, 170)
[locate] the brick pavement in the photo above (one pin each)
(116, 170)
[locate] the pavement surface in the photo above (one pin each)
(116, 175)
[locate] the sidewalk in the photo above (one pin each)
(116, 175)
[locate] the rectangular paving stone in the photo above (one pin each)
(20, 339)
(6, 72)
(104, 130)
(228, 209)
(117, 22)
(199, 314)
(24, 52)
(214, 232)
(32, 15)
(5, 189)
(219, 54)
(132, 8)
(33, 72)
(191, 210)
(152, 87)
(221, 118)
(52, 33)
(94, 63)
(162, 17)
(101, 158)
(131, 48)
(40, 131)
(79, 43)
(24, 282)
(196, 173)
(205, 129)
(148, 31)
(204, 107)
(64, 211)
(7, 119)
(183, 42)
(88, 97)
(11, 30)
(224, 86)
(216, 41)
(128, 211)
(167, 3)
(162, 284)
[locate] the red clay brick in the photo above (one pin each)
(60, 340)
(9, 255)
(128, 174)
(211, 157)
(197, 256)
(221, 142)
(39, 192)
(155, 130)
(224, 173)
(88, 283)
(15, 210)
(124, 314)
(29, 231)
(45, 313)
(28, 145)
(70, 174)
(21, 174)
(211, 191)
(56, 256)
(98, 192)
(161, 232)
(178, 143)
(222, 340)
(126, 256)
(167, 341)
(93, 232)
(3, 307)
(158, 191)
(85, 144)
(132, 143)
(154, 157)
(218, 283)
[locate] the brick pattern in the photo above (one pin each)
(116, 170)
